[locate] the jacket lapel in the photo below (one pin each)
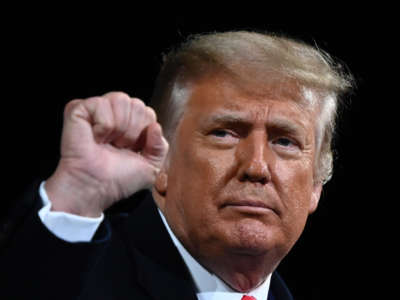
(278, 289)
(159, 267)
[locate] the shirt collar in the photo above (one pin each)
(209, 284)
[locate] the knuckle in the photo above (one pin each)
(137, 107)
(117, 96)
(95, 100)
(151, 113)
(71, 105)
(136, 102)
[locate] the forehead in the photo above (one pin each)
(221, 94)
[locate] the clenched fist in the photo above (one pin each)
(112, 147)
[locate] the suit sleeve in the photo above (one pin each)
(35, 264)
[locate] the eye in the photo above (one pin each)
(220, 133)
(284, 142)
(223, 137)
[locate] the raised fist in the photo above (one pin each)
(112, 147)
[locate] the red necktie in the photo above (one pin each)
(245, 297)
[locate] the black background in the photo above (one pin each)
(53, 58)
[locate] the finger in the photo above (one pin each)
(102, 118)
(156, 146)
(141, 116)
(121, 108)
(77, 121)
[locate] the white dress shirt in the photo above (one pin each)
(73, 228)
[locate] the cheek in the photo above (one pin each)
(294, 179)
(294, 184)
(196, 178)
(211, 167)
(196, 181)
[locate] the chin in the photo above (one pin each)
(252, 237)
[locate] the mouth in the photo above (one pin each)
(249, 206)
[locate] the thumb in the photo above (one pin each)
(156, 147)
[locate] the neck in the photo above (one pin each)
(242, 272)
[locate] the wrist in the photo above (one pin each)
(75, 193)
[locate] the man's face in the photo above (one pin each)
(240, 175)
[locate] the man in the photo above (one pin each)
(249, 119)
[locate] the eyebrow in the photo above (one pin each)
(287, 125)
(279, 123)
(227, 118)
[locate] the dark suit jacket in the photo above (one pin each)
(131, 257)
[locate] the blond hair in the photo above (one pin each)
(253, 57)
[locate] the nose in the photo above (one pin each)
(254, 159)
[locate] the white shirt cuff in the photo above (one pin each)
(68, 227)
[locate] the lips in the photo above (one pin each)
(250, 205)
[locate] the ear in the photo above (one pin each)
(160, 187)
(316, 194)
